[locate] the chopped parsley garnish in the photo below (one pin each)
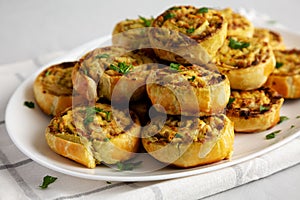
(178, 135)
(272, 135)
(147, 22)
(90, 113)
(169, 16)
(128, 166)
(298, 117)
(203, 10)
(174, 66)
(190, 30)
(108, 182)
(105, 55)
(263, 108)
(122, 68)
(292, 126)
(47, 181)
(29, 104)
(282, 118)
(192, 78)
(278, 65)
(48, 73)
(231, 100)
(234, 44)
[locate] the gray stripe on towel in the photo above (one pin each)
(157, 193)
(108, 187)
(19, 180)
(18, 164)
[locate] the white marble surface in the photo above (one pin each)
(32, 28)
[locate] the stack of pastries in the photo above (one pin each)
(177, 86)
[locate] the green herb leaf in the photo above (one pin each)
(174, 66)
(272, 135)
(190, 30)
(147, 22)
(263, 108)
(48, 73)
(29, 104)
(292, 126)
(278, 65)
(298, 117)
(169, 16)
(128, 166)
(231, 100)
(234, 44)
(178, 135)
(47, 181)
(105, 55)
(192, 78)
(122, 68)
(108, 182)
(203, 10)
(174, 8)
(282, 118)
(90, 113)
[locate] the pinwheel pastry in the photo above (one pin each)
(91, 135)
(274, 38)
(53, 88)
(246, 61)
(238, 25)
(191, 90)
(186, 34)
(189, 141)
(113, 73)
(132, 33)
(285, 79)
(254, 110)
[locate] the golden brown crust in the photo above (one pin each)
(254, 110)
(53, 88)
(94, 134)
(285, 79)
(208, 140)
(246, 67)
(189, 90)
(187, 34)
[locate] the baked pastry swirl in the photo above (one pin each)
(94, 134)
(285, 78)
(191, 90)
(246, 61)
(53, 88)
(254, 110)
(238, 25)
(112, 72)
(189, 141)
(186, 34)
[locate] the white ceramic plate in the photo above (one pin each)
(26, 128)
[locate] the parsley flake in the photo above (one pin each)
(272, 135)
(174, 66)
(231, 100)
(47, 180)
(263, 108)
(192, 78)
(278, 65)
(178, 135)
(29, 104)
(169, 16)
(105, 55)
(147, 22)
(282, 118)
(122, 68)
(128, 166)
(234, 44)
(203, 10)
(190, 30)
